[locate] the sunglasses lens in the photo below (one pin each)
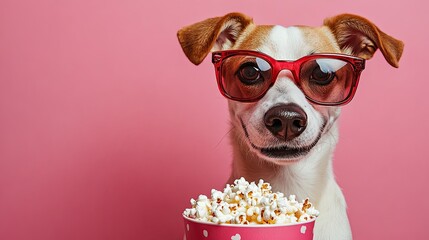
(327, 80)
(245, 77)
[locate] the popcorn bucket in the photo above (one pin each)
(197, 230)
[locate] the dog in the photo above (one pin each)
(285, 87)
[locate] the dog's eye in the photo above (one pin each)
(321, 77)
(249, 74)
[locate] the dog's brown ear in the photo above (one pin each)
(219, 33)
(362, 37)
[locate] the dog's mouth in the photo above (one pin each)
(284, 152)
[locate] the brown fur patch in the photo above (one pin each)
(320, 38)
(254, 37)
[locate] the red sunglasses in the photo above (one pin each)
(325, 79)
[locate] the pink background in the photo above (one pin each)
(107, 131)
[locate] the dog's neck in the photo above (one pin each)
(305, 178)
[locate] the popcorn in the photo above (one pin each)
(250, 203)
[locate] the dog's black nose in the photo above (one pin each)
(286, 121)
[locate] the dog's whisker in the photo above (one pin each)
(223, 137)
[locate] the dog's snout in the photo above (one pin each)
(286, 121)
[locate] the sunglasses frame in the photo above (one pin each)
(277, 66)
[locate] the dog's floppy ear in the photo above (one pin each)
(219, 33)
(363, 38)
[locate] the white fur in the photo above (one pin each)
(308, 176)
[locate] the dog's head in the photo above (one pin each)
(284, 93)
